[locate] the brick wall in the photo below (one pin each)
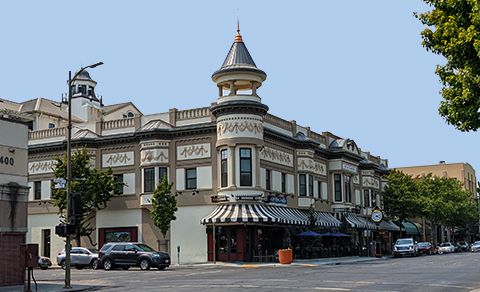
(12, 267)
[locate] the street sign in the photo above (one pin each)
(59, 181)
(60, 186)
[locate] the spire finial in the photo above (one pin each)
(238, 37)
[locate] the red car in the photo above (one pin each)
(425, 248)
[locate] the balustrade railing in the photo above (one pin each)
(47, 133)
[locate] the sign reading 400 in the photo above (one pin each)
(7, 160)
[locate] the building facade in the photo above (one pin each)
(463, 172)
(247, 178)
(13, 196)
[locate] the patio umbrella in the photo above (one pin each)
(309, 233)
(339, 234)
(327, 234)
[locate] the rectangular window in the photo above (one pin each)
(37, 191)
(267, 180)
(373, 199)
(337, 180)
(284, 183)
(223, 168)
(366, 198)
(348, 189)
(319, 189)
(302, 178)
(162, 171)
(148, 179)
(191, 178)
(245, 167)
(119, 178)
(310, 185)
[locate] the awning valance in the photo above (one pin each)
(257, 213)
(355, 221)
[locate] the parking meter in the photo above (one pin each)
(178, 253)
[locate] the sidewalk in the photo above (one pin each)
(57, 286)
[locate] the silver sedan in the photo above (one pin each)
(80, 257)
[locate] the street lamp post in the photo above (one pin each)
(69, 167)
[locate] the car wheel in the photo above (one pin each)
(94, 264)
(125, 268)
(161, 268)
(107, 264)
(395, 255)
(63, 264)
(144, 264)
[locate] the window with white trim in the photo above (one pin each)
(337, 185)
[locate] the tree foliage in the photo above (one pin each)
(400, 196)
(441, 200)
(164, 206)
(455, 35)
(97, 187)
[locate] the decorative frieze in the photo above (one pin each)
(197, 151)
(309, 164)
(276, 156)
(240, 126)
(41, 167)
(370, 182)
(118, 159)
(154, 156)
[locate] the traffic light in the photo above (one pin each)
(75, 209)
(63, 230)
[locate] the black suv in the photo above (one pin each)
(127, 254)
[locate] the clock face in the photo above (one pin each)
(377, 216)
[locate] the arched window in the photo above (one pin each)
(130, 114)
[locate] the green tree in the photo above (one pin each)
(444, 202)
(97, 187)
(455, 35)
(164, 206)
(400, 196)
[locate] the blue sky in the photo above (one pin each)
(353, 68)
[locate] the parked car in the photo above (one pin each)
(128, 254)
(457, 247)
(446, 247)
(425, 248)
(405, 246)
(463, 245)
(44, 262)
(80, 257)
(475, 246)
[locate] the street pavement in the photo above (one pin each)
(54, 286)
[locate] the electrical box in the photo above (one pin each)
(31, 255)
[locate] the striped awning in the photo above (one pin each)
(257, 213)
(388, 225)
(355, 221)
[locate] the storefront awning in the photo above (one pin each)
(256, 213)
(355, 221)
(387, 225)
(412, 229)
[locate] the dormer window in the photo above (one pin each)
(130, 114)
(82, 88)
